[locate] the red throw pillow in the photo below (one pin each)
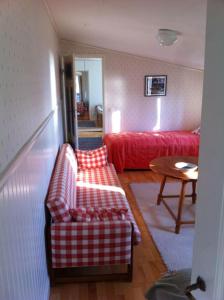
(92, 159)
(91, 214)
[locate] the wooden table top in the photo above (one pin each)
(166, 165)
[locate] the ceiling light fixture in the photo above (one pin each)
(167, 37)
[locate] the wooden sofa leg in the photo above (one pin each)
(130, 272)
(130, 266)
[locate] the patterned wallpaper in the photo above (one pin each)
(124, 91)
(28, 46)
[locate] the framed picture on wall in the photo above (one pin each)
(155, 85)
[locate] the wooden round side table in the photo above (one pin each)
(167, 166)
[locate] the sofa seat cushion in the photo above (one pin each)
(101, 188)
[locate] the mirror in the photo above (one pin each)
(89, 93)
(82, 95)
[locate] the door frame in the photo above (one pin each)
(63, 98)
(69, 115)
(208, 253)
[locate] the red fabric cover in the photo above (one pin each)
(92, 159)
(135, 150)
(90, 244)
(101, 188)
(90, 214)
(62, 191)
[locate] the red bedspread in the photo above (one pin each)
(135, 150)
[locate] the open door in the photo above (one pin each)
(208, 255)
(69, 102)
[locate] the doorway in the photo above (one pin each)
(89, 101)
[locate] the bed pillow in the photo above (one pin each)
(91, 214)
(197, 130)
(92, 159)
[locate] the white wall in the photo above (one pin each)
(124, 91)
(23, 272)
(28, 95)
(94, 68)
(28, 57)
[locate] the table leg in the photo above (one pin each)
(194, 195)
(180, 207)
(160, 195)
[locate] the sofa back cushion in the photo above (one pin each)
(92, 158)
(62, 191)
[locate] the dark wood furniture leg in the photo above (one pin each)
(160, 195)
(177, 217)
(180, 206)
(194, 195)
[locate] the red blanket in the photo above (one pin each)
(135, 150)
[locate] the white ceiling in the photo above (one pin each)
(131, 26)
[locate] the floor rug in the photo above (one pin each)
(175, 249)
(90, 143)
(86, 123)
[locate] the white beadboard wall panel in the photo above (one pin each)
(28, 95)
(23, 272)
(124, 91)
(28, 59)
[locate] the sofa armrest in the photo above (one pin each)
(78, 244)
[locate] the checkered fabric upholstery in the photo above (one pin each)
(90, 214)
(62, 191)
(87, 243)
(92, 158)
(90, 244)
(101, 188)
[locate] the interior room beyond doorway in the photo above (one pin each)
(89, 101)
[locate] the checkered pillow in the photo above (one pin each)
(92, 159)
(91, 214)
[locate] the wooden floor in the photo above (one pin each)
(148, 265)
(90, 133)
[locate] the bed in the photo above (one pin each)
(135, 150)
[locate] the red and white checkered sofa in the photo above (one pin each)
(73, 244)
